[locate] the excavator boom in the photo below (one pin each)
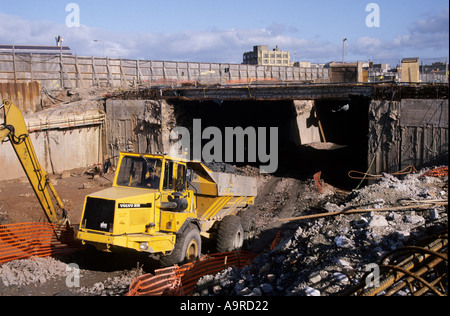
(16, 130)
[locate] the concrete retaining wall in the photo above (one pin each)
(66, 150)
(407, 132)
(65, 138)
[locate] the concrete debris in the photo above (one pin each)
(112, 286)
(31, 271)
(36, 272)
(323, 257)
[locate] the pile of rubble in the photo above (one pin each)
(325, 256)
(38, 272)
(31, 271)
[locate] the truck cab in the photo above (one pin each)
(162, 205)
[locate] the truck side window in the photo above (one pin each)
(181, 178)
(136, 172)
(168, 176)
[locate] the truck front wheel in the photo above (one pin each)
(230, 235)
(187, 248)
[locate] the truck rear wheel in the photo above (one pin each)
(250, 230)
(187, 248)
(230, 235)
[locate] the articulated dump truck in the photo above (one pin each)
(162, 206)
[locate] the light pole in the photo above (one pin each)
(103, 43)
(343, 50)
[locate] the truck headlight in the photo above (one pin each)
(143, 246)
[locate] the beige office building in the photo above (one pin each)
(410, 70)
(262, 56)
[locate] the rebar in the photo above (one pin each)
(415, 270)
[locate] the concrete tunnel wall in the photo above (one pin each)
(416, 134)
(69, 149)
(409, 132)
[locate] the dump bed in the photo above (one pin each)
(208, 182)
(220, 194)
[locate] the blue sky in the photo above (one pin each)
(221, 31)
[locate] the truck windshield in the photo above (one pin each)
(137, 172)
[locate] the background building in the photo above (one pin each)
(261, 55)
(410, 70)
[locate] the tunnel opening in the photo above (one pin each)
(348, 129)
(345, 122)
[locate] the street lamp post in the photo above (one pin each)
(343, 50)
(103, 43)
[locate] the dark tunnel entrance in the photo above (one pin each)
(348, 129)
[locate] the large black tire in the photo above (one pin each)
(230, 235)
(250, 230)
(188, 248)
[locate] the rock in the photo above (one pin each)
(361, 223)
(340, 277)
(216, 289)
(331, 207)
(315, 277)
(266, 288)
(413, 219)
(256, 292)
(88, 185)
(271, 278)
(344, 242)
(311, 291)
(434, 214)
(378, 221)
(264, 269)
(342, 262)
(244, 291)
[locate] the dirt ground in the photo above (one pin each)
(18, 203)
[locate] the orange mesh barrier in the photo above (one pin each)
(437, 172)
(177, 281)
(25, 240)
(164, 282)
(275, 241)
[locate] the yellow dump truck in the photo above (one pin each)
(162, 206)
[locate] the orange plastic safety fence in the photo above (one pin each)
(25, 240)
(275, 241)
(437, 172)
(164, 282)
(182, 280)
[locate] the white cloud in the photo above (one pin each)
(428, 37)
(217, 45)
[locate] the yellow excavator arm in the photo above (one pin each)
(16, 130)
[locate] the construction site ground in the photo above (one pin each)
(321, 256)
